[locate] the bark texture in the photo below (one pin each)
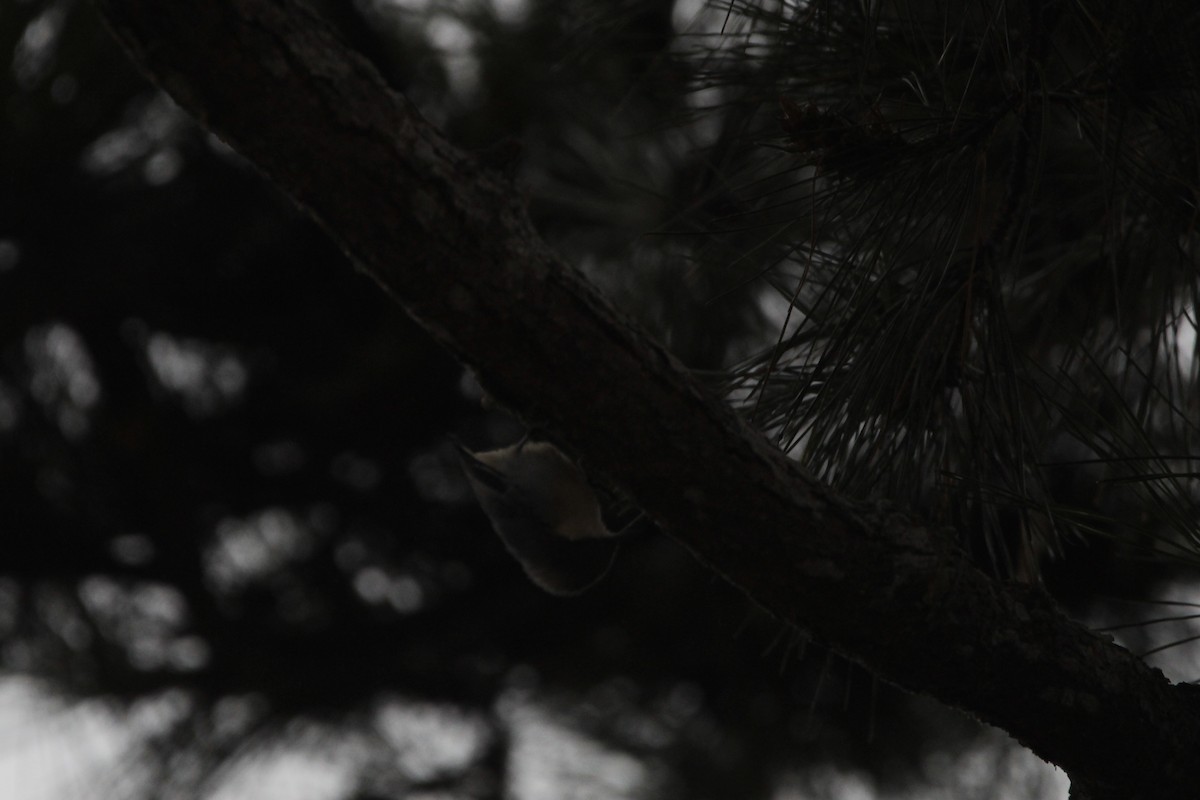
(449, 239)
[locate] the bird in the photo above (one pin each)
(543, 509)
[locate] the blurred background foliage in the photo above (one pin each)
(945, 253)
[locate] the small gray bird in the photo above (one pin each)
(545, 512)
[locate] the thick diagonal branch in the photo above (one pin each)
(450, 241)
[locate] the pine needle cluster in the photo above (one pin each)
(977, 223)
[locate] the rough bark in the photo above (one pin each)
(450, 241)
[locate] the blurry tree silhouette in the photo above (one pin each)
(942, 254)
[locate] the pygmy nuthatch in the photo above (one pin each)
(545, 512)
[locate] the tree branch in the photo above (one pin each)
(451, 242)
